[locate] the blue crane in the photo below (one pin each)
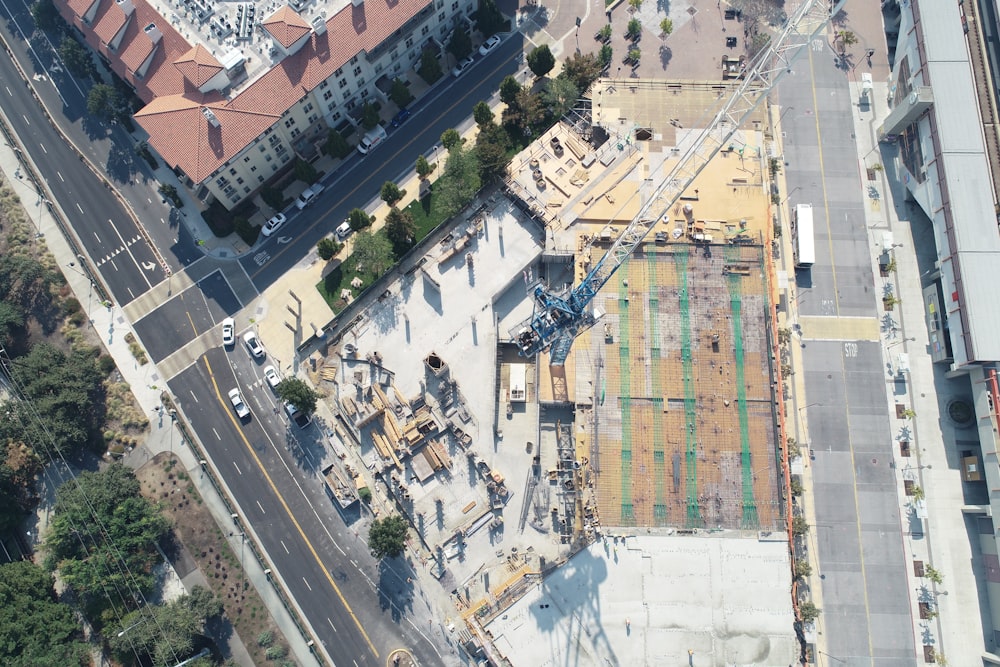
(559, 317)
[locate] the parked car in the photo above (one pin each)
(344, 230)
(253, 344)
(228, 331)
(490, 44)
(272, 225)
(462, 65)
(300, 418)
(372, 139)
(400, 117)
(272, 378)
(242, 411)
(309, 195)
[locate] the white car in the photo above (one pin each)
(272, 225)
(242, 411)
(344, 230)
(490, 44)
(271, 375)
(228, 331)
(462, 65)
(253, 344)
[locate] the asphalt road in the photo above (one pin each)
(359, 180)
(268, 466)
(858, 535)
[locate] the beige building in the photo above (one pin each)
(230, 121)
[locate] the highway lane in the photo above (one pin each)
(361, 178)
(282, 499)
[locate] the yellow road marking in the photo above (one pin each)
(288, 510)
(343, 199)
(193, 327)
(822, 180)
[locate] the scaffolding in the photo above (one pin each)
(690, 401)
(625, 382)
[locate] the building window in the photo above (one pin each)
(342, 83)
(274, 168)
(323, 85)
(290, 122)
(239, 181)
(246, 158)
(275, 140)
(364, 93)
(296, 132)
(378, 68)
(441, 16)
(351, 104)
(354, 60)
(253, 169)
(357, 71)
(426, 29)
(440, 4)
(260, 179)
(454, 6)
(397, 67)
(234, 198)
(409, 42)
(262, 148)
(284, 159)
(327, 95)
(361, 81)
(268, 158)
(340, 70)
(246, 189)
(307, 108)
(336, 117)
(232, 171)
(268, 131)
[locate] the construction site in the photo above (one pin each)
(661, 424)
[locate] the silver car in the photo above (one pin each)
(253, 344)
(242, 411)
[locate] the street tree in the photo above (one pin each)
(460, 44)
(492, 144)
(45, 14)
(423, 167)
(358, 219)
(846, 39)
(482, 114)
(460, 181)
(75, 57)
(369, 116)
(373, 253)
(399, 93)
(666, 27)
(326, 248)
(605, 55)
(400, 230)
(297, 392)
(391, 193)
(809, 612)
(450, 138)
(103, 101)
(559, 96)
(430, 66)
(541, 61)
(387, 537)
(336, 145)
(489, 18)
(633, 29)
(509, 88)
(582, 69)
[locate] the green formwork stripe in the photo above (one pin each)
(625, 378)
(656, 368)
(690, 409)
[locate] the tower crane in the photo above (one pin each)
(560, 316)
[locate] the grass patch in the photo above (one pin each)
(136, 349)
(427, 214)
(339, 278)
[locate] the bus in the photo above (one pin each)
(802, 236)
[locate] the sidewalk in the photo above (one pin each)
(147, 385)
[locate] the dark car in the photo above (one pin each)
(401, 117)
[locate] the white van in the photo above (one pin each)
(344, 230)
(372, 139)
(309, 195)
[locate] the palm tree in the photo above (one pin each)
(847, 39)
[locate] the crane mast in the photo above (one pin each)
(559, 317)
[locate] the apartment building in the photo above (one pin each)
(943, 118)
(235, 91)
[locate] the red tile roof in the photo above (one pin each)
(109, 20)
(286, 26)
(198, 65)
(178, 130)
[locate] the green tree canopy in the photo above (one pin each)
(489, 19)
(358, 219)
(326, 248)
(460, 44)
(582, 69)
(541, 61)
(297, 392)
(305, 172)
(45, 14)
(524, 113)
(509, 88)
(373, 253)
(482, 113)
(423, 167)
(492, 144)
(75, 57)
(35, 628)
(66, 395)
(11, 321)
(102, 537)
(391, 193)
(460, 181)
(666, 27)
(387, 537)
(451, 138)
(430, 66)
(559, 96)
(103, 101)
(164, 634)
(400, 93)
(400, 230)
(336, 145)
(369, 116)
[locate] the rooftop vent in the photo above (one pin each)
(210, 116)
(319, 24)
(152, 32)
(357, 3)
(126, 6)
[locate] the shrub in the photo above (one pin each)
(369, 116)
(265, 639)
(391, 193)
(358, 219)
(305, 172)
(541, 61)
(430, 67)
(245, 230)
(327, 248)
(399, 93)
(336, 145)
(273, 197)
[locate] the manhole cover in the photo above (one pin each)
(692, 10)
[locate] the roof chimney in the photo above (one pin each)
(210, 116)
(151, 31)
(357, 3)
(319, 24)
(126, 6)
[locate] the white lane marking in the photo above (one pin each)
(60, 177)
(79, 208)
(307, 584)
(261, 508)
(8, 91)
(332, 625)
(237, 468)
(195, 399)
(217, 436)
(26, 119)
(95, 233)
(43, 148)
(149, 285)
(285, 547)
